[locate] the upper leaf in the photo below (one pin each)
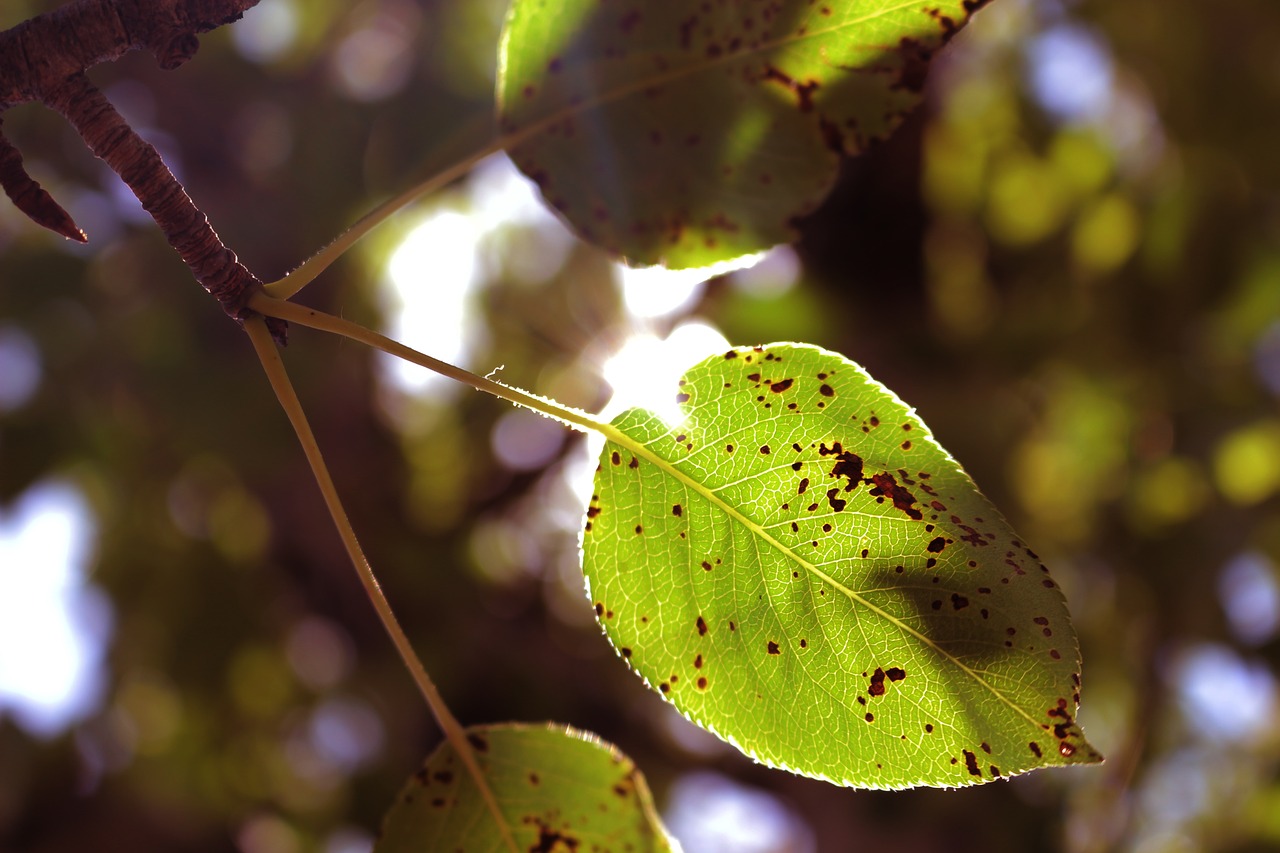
(558, 789)
(801, 569)
(688, 133)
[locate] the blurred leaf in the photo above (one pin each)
(559, 789)
(684, 135)
(1247, 463)
(800, 568)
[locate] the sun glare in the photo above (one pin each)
(53, 625)
(646, 371)
(650, 292)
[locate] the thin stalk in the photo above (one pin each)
(269, 355)
(321, 260)
(321, 321)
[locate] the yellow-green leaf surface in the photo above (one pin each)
(558, 788)
(686, 133)
(800, 568)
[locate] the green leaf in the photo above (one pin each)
(799, 567)
(688, 133)
(559, 789)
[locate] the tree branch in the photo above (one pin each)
(140, 166)
(37, 55)
(45, 58)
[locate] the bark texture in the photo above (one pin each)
(45, 58)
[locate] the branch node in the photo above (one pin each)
(175, 52)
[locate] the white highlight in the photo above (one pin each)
(1250, 597)
(646, 372)
(19, 368)
(437, 268)
(651, 292)
(53, 626)
(712, 813)
(267, 31)
(433, 274)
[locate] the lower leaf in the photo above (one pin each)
(558, 788)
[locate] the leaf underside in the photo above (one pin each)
(558, 788)
(689, 133)
(798, 567)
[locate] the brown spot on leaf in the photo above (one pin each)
(773, 648)
(902, 499)
(876, 687)
(677, 510)
(971, 761)
(702, 626)
(802, 91)
(848, 464)
(781, 385)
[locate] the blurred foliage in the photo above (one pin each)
(1077, 285)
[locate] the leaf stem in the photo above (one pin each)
(312, 267)
(321, 321)
(269, 355)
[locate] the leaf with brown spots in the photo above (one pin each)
(559, 789)
(877, 636)
(690, 133)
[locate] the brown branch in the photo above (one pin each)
(32, 199)
(45, 59)
(37, 55)
(140, 166)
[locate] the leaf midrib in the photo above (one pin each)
(617, 436)
(512, 140)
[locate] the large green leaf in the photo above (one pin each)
(686, 133)
(559, 789)
(800, 568)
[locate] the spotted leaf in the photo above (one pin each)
(688, 133)
(799, 567)
(559, 789)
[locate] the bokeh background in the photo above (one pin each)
(1068, 260)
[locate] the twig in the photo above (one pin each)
(453, 731)
(140, 166)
